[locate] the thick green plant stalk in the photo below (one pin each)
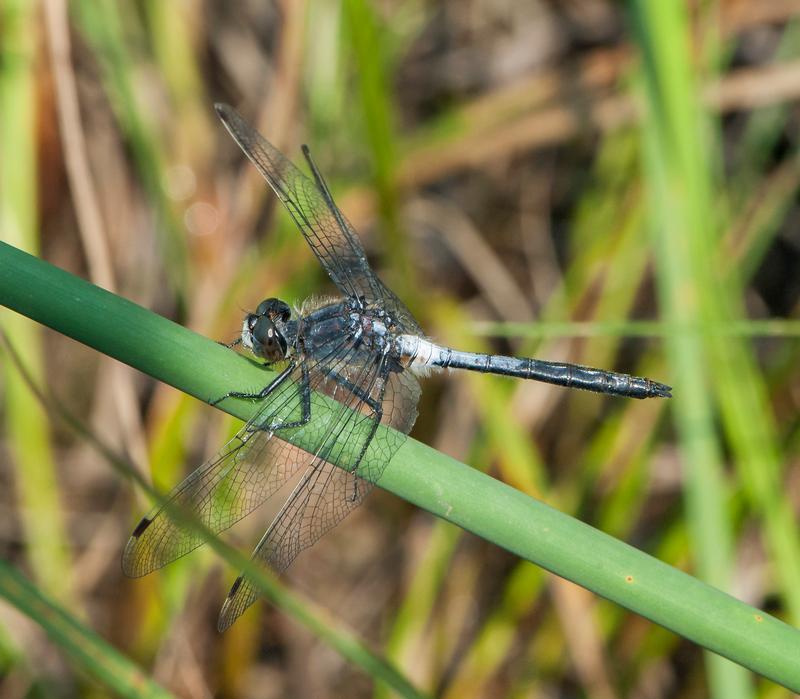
(99, 659)
(418, 474)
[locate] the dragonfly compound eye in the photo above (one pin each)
(275, 309)
(268, 342)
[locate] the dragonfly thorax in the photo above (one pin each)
(372, 328)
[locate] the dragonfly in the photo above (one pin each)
(364, 352)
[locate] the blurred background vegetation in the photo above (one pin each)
(604, 183)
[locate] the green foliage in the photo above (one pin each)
(84, 647)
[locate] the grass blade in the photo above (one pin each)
(684, 225)
(29, 438)
(86, 648)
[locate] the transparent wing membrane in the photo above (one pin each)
(340, 435)
(329, 234)
(326, 494)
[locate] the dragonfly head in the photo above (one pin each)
(265, 331)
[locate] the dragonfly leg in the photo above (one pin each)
(263, 393)
(357, 391)
(305, 404)
(377, 406)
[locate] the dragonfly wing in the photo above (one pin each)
(400, 401)
(339, 251)
(329, 234)
(325, 496)
(245, 473)
(327, 493)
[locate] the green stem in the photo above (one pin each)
(419, 474)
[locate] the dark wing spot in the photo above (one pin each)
(146, 522)
(235, 586)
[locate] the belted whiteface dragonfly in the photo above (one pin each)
(363, 351)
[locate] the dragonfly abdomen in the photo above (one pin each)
(416, 352)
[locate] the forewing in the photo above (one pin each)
(338, 249)
(329, 234)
